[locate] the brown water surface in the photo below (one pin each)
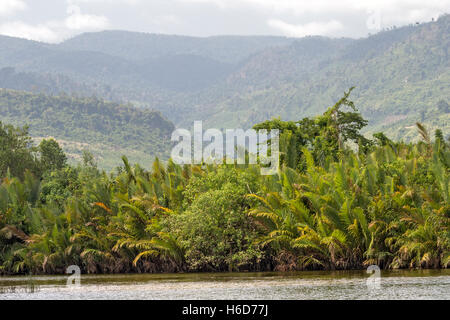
(416, 284)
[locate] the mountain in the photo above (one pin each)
(107, 129)
(136, 60)
(401, 75)
(136, 46)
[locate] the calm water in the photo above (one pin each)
(428, 284)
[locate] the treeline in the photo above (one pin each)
(339, 201)
(18, 154)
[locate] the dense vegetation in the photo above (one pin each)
(400, 74)
(339, 201)
(104, 128)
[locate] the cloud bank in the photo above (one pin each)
(11, 6)
(55, 20)
(53, 30)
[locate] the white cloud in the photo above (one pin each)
(8, 7)
(128, 2)
(55, 31)
(353, 18)
(79, 21)
(20, 29)
(165, 20)
(392, 11)
(308, 29)
(318, 6)
(223, 4)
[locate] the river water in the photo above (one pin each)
(420, 284)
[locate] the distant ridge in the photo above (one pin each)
(401, 75)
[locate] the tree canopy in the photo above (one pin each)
(387, 204)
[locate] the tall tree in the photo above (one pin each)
(52, 156)
(17, 153)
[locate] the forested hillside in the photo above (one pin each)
(106, 129)
(401, 76)
(135, 60)
(141, 46)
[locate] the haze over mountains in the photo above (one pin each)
(401, 75)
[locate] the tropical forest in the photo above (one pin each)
(339, 201)
(224, 150)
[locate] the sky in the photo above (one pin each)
(56, 20)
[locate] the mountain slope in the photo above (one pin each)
(107, 129)
(136, 60)
(136, 46)
(400, 77)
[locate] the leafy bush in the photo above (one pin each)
(215, 229)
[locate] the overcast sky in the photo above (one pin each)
(56, 20)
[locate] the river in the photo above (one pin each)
(416, 284)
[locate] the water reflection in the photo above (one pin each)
(420, 284)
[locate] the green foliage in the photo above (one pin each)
(388, 205)
(381, 139)
(59, 184)
(86, 123)
(18, 154)
(214, 228)
(52, 156)
(16, 151)
(326, 135)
